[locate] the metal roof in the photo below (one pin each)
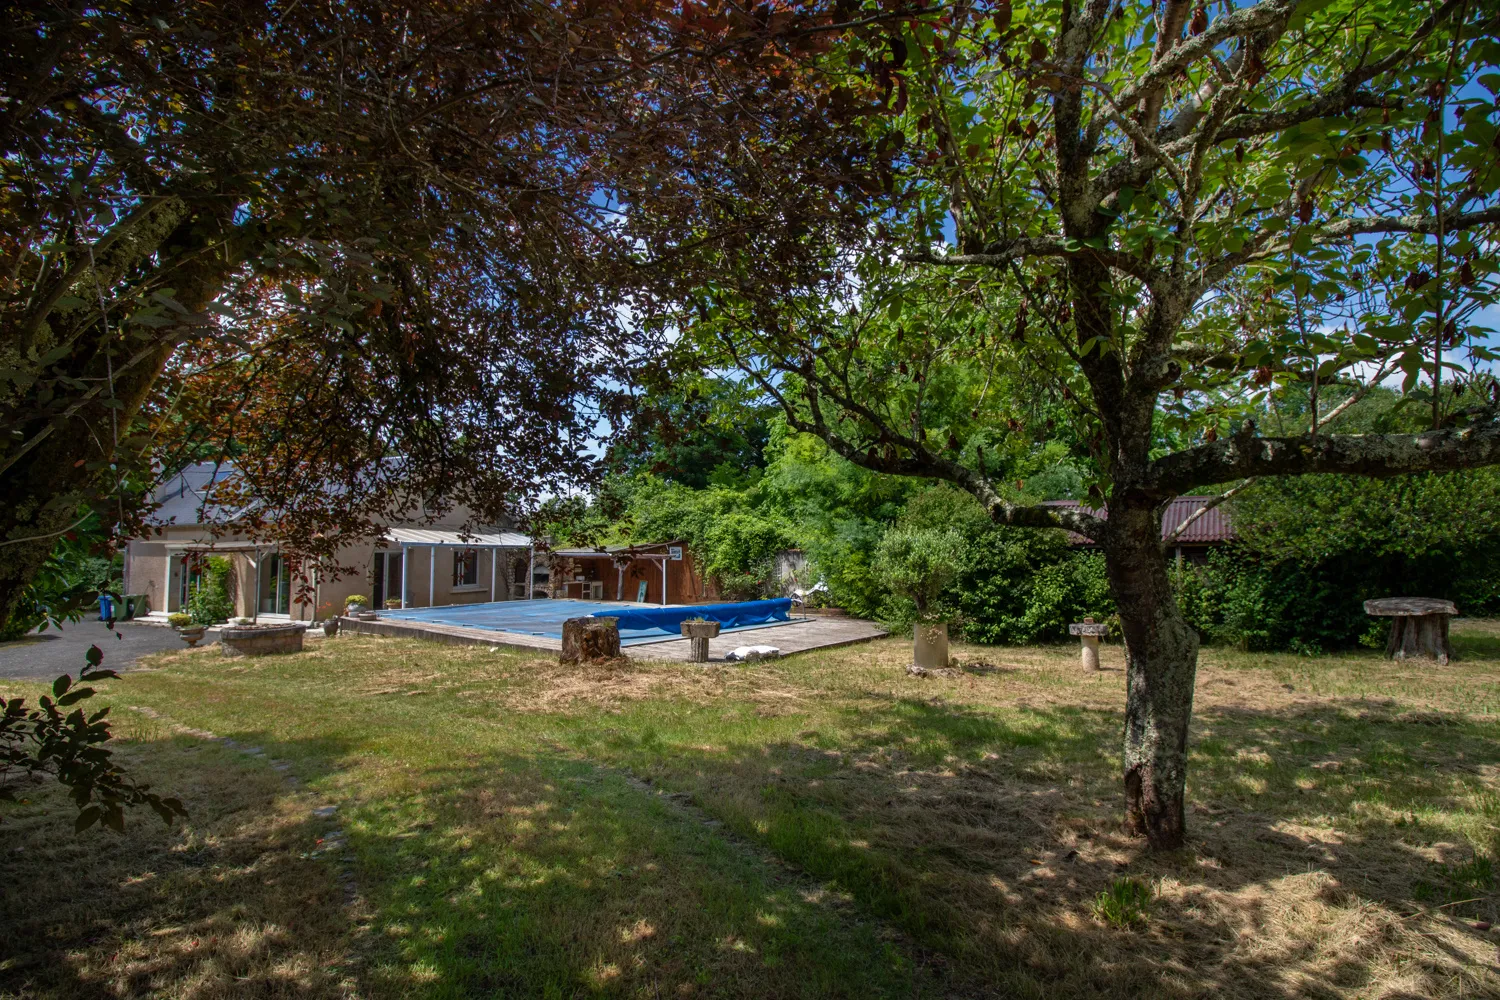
(462, 539)
(1212, 528)
(181, 498)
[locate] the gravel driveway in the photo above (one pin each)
(44, 655)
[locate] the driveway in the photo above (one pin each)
(44, 655)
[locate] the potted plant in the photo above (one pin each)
(355, 603)
(393, 603)
(919, 563)
(191, 633)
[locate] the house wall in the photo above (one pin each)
(145, 571)
(443, 591)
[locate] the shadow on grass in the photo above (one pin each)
(515, 876)
(233, 902)
(1319, 837)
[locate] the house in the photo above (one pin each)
(420, 563)
(1207, 531)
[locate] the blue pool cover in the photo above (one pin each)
(545, 618)
(670, 620)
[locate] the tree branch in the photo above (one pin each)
(1373, 455)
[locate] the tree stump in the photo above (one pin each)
(1089, 633)
(586, 640)
(1420, 628)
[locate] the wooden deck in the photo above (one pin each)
(792, 637)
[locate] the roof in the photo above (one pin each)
(645, 548)
(435, 536)
(180, 499)
(1212, 528)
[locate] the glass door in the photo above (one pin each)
(275, 585)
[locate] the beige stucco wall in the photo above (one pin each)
(442, 589)
(146, 568)
(147, 561)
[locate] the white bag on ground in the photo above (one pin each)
(750, 653)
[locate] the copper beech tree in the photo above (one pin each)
(365, 251)
(1137, 226)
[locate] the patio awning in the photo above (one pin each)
(457, 539)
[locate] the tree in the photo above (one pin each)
(365, 253)
(920, 563)
(1133, 227)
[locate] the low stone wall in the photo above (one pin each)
(261, 640)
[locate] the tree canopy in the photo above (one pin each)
(367, 253)
(1134, 228)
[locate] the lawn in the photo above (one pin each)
(380, 818)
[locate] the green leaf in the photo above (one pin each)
(94, 656)
(61, 685)
(87, 817)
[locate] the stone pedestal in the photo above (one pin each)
(930, 645)
(1089, 632)
(698, 634)
(589, 639)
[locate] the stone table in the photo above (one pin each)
(1089, 631)
(1420, 628)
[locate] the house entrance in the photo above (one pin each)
(387, 573)
(275, 585)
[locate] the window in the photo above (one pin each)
(465, 568)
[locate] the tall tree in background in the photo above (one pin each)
(364, 250)
(1159, 219)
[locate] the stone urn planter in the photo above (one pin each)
(262, 640)
(191, 634)
(930, 645)
(698, 633)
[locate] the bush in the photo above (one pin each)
(1312, 550)
(1025, 586)
(919, 563)
(210, 603)
(359, 599)
(179, 619)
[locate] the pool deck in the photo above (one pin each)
(790, 637)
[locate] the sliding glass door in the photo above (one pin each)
(275, 585)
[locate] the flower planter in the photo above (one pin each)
(698, 634)
(192, 634)
(262, 640)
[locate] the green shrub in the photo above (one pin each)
(179, 619)
(210, 603)
(359, 599)
(1024, 586)
(919, 564)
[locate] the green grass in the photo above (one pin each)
(819, 826)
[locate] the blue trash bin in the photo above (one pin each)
(106, 607)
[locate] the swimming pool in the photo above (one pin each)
(544, 618)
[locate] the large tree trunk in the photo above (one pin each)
(1161, 660)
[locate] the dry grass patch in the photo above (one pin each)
(1344, 823)
(227, 904)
